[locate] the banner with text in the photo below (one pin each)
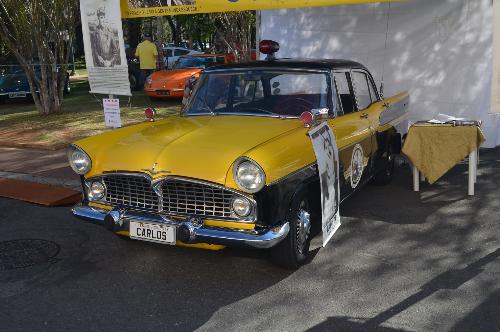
(327, 156)
(104, 47)
(145, 8)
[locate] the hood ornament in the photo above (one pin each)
(153, 172)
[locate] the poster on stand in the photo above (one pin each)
(112, 117)
(104, 47)
(327, 156)
(145, 8)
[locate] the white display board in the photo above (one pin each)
(327, 156)
(112, 117)
(104, 47)
(440, 51)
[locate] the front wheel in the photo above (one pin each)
(292, 252)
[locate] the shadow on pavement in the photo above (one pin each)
(451, 279)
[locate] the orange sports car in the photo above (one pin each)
(171, 83)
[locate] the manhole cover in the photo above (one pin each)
(17, 254)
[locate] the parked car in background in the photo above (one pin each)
(171, 83)
(171, 54)
(236, 167)
(14, 83)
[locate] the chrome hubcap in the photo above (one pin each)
(303, 229)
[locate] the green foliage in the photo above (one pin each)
(197, 28)
(40, 31)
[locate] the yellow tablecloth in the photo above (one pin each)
(434, 148)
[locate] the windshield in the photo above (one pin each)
(260, 92)
(197, 61)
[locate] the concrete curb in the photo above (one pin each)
(55, 147)
(71, 184)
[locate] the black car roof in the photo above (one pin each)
(293, 63)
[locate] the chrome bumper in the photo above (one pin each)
(188, 231)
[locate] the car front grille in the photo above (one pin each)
(131, 191)
(179, 197)
(190, 198)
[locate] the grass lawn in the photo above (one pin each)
(82, 116)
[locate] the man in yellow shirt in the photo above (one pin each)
(147, 54)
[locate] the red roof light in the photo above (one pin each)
(150, 114)
(307, 118)
(269, 47)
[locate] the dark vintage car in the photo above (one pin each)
(236, 167)
(14, 83)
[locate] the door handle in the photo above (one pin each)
(364, 116)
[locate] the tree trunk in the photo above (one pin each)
(172, 22)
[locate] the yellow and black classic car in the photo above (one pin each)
(236, 167)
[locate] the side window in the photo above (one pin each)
(167, 52)
(373, 94)
(344, 92)
(360, 82)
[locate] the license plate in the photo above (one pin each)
(152, 232)
(163, 93)
(17, 94)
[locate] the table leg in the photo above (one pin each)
(416, 179)
(476, 164)
(472, 171)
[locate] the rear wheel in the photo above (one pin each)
(384, 176)
(292, 252)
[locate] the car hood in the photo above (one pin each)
(174, 75)
(200, 147)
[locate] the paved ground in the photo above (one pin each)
(402, 261)
(41, 166)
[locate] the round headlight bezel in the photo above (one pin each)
(90, 193)
(243, 200)
(248, 189)
(72, 151)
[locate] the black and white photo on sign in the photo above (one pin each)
(159, 3)
(327, 156)
(104, 47)
(104, 37)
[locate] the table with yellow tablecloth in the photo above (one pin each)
(434, 149)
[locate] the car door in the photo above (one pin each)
(353, 133)
(371, 106)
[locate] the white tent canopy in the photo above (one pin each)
(441, 51)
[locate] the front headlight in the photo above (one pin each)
(78, 160)
(149, 80)
(249, 176)
(97, 191)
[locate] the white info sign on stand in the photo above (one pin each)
(112, 113)
(327, 155)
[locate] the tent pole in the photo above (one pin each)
(258, 36)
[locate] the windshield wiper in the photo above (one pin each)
(262, 111)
